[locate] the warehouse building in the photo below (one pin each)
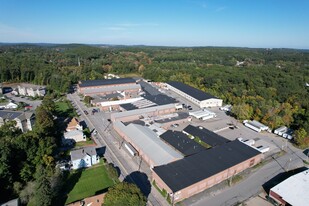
(198, 97)
(195, 173)
(108, 86)
(292, 191)
(142, 113)
(147, 144)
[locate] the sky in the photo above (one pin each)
(240, 23)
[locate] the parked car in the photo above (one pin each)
(85, 111)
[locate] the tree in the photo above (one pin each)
(302, 138)
(43, 191)
(124, 194)
(44, 121)
(242, 111)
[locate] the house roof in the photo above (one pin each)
(181, 142)
(193, 92)
(10, 115)
(146, 140)
(73, 123)
(81, 153)
(206, 135)
(101, 82)
(195, 168)
(295, 189)
(73, 133)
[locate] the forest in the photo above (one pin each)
(268, 85)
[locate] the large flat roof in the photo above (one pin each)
(181, 142)
(142, 111)
(206, 135)
(111, 89)
(195, 168)
(147, 141)
(295, 189)
(193, 92)
(101, 82)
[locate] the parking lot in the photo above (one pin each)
(230, 128)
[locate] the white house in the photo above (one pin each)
(24, 120)
(31, 90)
(198, 97)
(74, 125)
(73, 136)
(85, 157)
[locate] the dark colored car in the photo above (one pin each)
(86, 113)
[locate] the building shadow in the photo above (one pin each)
(281, 177)
(101, 151)
(141, 181)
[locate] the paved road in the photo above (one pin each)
(130, 167)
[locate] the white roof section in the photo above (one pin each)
(73, 133)
(201, 113)
(295, 189)
(257, 124)
(118, 102)
(148, 141)
(142, 111)
(89, 90)
(281, 129)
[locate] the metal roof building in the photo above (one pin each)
(292, 191)
(149, 146)
(202, 99)
(144, 112)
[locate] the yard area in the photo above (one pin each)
(65, 109)
(87, 182)
(89, 142)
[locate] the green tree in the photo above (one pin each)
(242, 111)
(124, 194)
(302, 138)
(43, 190)
(44, 124)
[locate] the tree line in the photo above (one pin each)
(263, 84)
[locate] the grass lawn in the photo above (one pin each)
(86, 183)
(85, 143)
(64, 108)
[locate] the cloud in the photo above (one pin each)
(222, 8)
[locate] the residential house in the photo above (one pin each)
(73, 136)
(85, 157)
(24, 120)
(74, 125)
(9, 105)
(31, 90)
